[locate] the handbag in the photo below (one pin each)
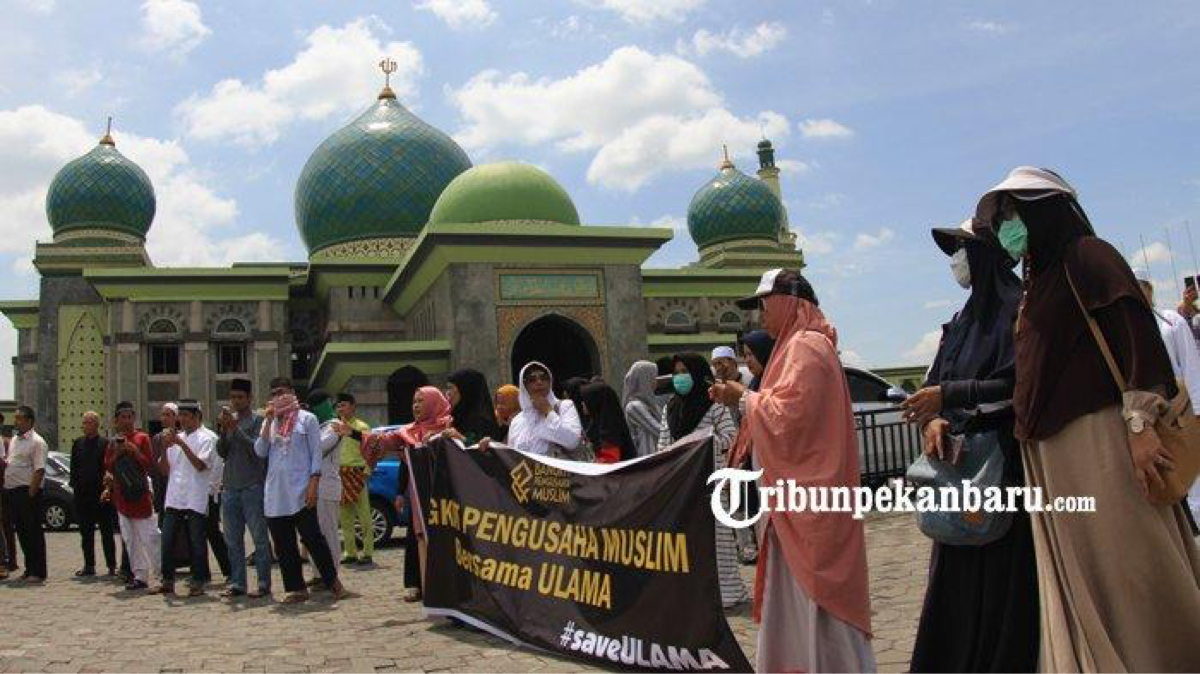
(981, 465)
(1177, 428)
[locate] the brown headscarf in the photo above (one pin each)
(1061, 374)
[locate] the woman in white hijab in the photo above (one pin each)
(642, 412)
(545, 425)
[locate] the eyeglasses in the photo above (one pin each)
(536, 376)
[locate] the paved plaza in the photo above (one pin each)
(70, 625)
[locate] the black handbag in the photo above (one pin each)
(129, 475)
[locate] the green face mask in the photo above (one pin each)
(1014, 237)
(683, 383)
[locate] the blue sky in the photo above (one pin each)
(889, 117)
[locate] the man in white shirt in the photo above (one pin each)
(186, 463)
(25, 466)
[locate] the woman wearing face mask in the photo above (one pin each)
(690, 410)
(980, 612)
(1120, 587)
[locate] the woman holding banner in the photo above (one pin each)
(810, 595)
(431, 411)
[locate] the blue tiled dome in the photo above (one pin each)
(733, 206)
(377, 177)
(101, 190)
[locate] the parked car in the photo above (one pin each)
(887, 444)
(58, 499)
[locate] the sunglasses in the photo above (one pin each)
(536, 376)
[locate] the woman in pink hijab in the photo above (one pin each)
(431, 414)
(810, 593)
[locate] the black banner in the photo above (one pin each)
(615, 568)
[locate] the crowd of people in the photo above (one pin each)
(1118, 589)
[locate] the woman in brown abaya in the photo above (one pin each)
(1119, 587)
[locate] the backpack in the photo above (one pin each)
(130, 476)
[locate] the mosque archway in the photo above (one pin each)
(402, 385)
(559, 342)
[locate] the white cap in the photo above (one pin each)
(172, 407)
(724, 352)
(1027, 183)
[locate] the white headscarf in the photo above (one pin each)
(526, 399)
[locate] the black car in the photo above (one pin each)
(58, 500)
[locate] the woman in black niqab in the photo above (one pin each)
(981, 610)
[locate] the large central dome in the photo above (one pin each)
(378, 177)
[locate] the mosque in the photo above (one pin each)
(419, 263)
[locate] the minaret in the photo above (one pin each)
(769, 174)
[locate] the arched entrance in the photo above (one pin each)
(402, 385)
(562, 344)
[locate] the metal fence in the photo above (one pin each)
(886, 444)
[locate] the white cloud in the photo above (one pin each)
(333, 75)
(741, 43)
(793, 166)
(648, 11)
(1156, 252)
(38, 6)
(865, 241)
(460, 14)
(819, 243)
(994, 27)
(827, 201)
(642, 114)
(824, 128)
(852, 358)
(925, 348)
(173, 25)
(77, 82)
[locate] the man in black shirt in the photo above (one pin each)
(87, 481)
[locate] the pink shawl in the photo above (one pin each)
(802, 428)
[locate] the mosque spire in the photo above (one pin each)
(108, 139)
(388, 66)
(725, 163)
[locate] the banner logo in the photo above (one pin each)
(521, 475)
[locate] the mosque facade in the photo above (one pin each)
(419, 263)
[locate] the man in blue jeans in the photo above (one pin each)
(187, 462)
(242, 498)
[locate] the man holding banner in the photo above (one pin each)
(811, 595)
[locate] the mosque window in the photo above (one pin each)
(163, 359)
(162, 326)
(678, 320)
(231, 358)
(729, 321)
(230, 326)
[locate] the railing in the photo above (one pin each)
(886, 444)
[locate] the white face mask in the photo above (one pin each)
(961, 268)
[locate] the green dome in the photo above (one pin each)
(504, 191)
(101, 190)
(734, 206)
(377, 177)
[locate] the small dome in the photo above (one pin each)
(764, 144)
(101, 190)
(504, 191)
(734, 206)
(377, 177)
